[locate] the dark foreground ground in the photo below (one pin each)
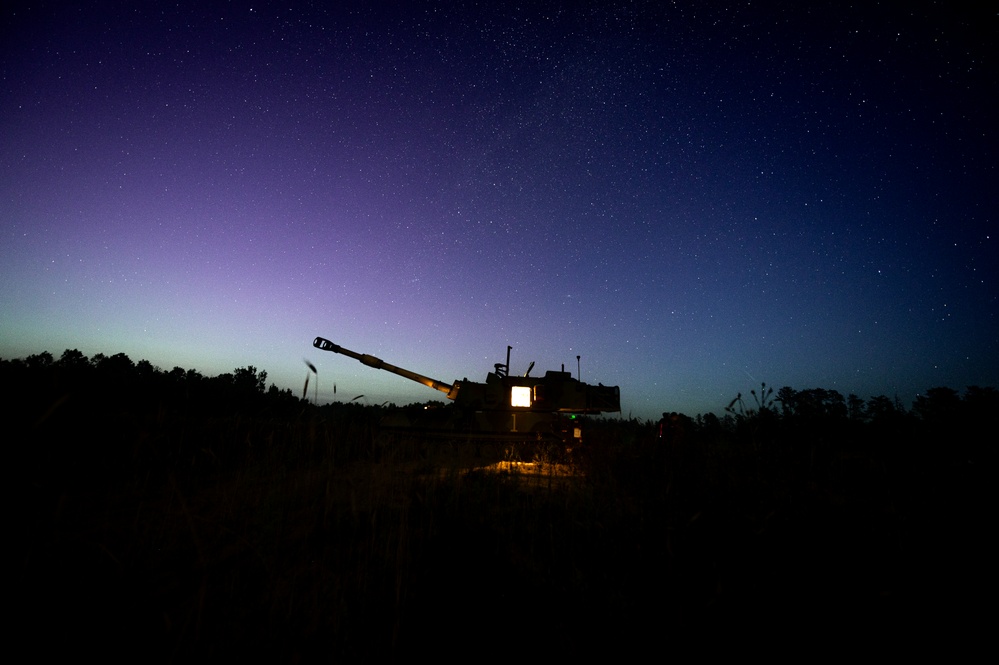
(312, 536)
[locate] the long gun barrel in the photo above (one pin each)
(371, 361)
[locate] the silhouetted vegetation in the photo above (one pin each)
(170, 516)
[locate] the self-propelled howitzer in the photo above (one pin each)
(506, 403)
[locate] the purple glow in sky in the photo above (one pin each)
(693, 197)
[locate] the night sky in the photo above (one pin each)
(694, 197)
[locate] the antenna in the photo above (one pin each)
(577, 368)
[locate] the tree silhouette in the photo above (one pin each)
(938, 406)
(249, 380)
(881, 409)
(786, 397)
(855, 408)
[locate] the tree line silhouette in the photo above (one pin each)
(43, 385)
(182, 414)
(99, 420)
(941, 422)
(120, 384)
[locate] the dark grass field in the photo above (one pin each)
(323, 542)
(147, 532)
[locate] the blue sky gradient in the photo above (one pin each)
(693, 197)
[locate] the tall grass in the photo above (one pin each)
(317, 536)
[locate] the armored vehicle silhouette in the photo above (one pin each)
(505, 406)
